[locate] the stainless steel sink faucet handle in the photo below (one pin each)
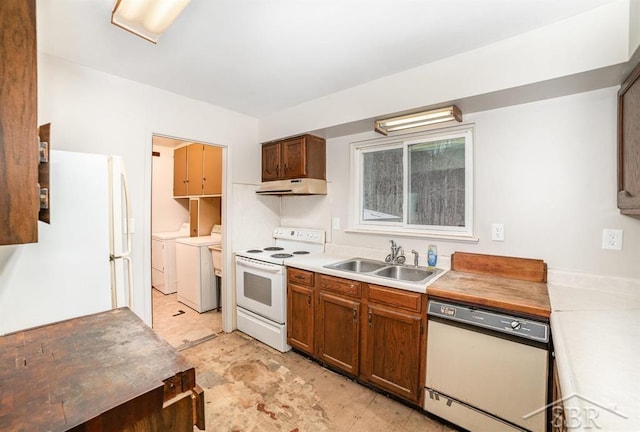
(400, 258)
(394, 251)
(415, 257)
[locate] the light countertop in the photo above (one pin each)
(317, 263)
(596, 333)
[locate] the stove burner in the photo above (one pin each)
(300, 252)
(273, 248)
(254, 251)
(281, 255)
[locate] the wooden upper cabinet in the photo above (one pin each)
(180, 171)
(194, 169)
(212, 171)
(298, 157)
(629, 145)
(19, 194)
(197, 170)
(271, 161)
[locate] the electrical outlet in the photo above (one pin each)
(612, 239)
(497, 232)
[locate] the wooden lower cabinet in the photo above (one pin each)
(300, 317)
(370, 332)
(392, 357)
(338, 332)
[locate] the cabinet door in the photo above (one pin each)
(271, 161)
(180, 171)
(19, 195)
(212, 170)
(294, 158)
(338, 332)
(300, 313)
(393, 352)
(629, 145)
(195, 155)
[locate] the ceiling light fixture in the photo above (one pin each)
(146, 18)
(418, 119)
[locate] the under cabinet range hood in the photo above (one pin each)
(301, 186)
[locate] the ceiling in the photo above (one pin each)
(258, 57)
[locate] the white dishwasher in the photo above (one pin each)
(196, 282)
(486, 371)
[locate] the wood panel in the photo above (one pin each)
(180, 171)
(629, 145)
(19, 196)
(341, 286)
(195, 155)
(407, 300)
(533, 270)
(509, 295)
(338, 332)
(300, 276)
(44, 214)
(271, 161)
(212, 170)
(91, 373)
(300, 318)
(294, 158)
(394, 346)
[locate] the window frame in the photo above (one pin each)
(403, 228)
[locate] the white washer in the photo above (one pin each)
(196, 282)
(163, 258)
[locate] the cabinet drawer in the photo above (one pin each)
(179, 383)
(407, 300)
(300, 276)
(340, 286)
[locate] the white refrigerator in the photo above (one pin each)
(81, 263)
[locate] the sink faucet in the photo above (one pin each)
(397, 254)
(415, 257)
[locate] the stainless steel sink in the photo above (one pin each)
(411, 274)
(358, 265)
(369, 267)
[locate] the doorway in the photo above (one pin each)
(187, 179)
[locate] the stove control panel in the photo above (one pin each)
(299, 234)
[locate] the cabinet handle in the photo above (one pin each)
(309, 299)
(355, 315)
(299, 277)
(370, 318)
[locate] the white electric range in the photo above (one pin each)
(261, 283)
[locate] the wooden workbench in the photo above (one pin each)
(104, 372)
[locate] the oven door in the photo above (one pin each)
(260, 288)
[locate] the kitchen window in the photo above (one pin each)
(419, 184)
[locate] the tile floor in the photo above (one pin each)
(252, 387)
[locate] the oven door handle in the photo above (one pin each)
(264, 267)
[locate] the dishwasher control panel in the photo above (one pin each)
(491, 320)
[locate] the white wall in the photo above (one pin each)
(94, 112)
(592, 41)
(546, 170)
(167, 213)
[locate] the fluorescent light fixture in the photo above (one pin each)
(418, 119)
(147, 18)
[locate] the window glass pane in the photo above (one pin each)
(437, 183)
(382, 186)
